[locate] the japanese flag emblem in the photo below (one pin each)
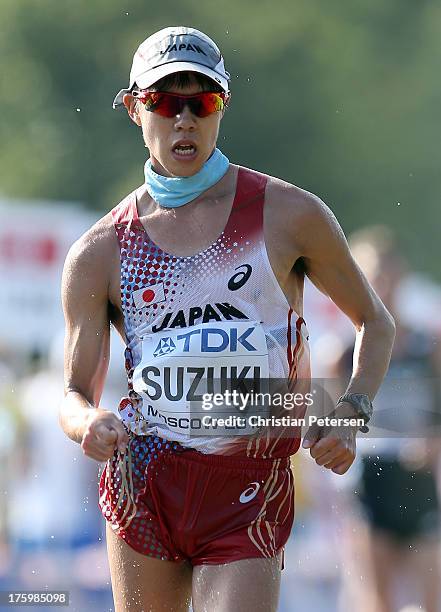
(149, 295)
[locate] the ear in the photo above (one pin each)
(132, 109)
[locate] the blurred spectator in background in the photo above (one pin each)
(397, 487)
(52, 517)
(49, 509)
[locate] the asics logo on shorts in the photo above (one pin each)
(249, 493)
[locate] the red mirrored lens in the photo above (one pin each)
(170, 105)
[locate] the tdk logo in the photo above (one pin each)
(208, 340)
(181, 47)
(165, 346)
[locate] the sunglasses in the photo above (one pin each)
(170, 104)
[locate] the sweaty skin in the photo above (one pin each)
(301, 236)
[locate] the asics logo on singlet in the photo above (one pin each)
(250, 492)
(239, 279)
(165, 346)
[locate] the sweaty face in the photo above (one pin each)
(180, 145)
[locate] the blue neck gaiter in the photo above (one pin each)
(177, 191)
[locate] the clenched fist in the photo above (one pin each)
(333, 447)
(104, 432)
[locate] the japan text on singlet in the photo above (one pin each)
(193, 321)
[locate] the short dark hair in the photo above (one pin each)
(180, 80)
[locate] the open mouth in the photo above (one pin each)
(184, 150)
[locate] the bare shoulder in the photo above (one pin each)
(293, 201)
(298, 213)
(92, 256)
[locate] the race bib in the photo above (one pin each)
(179, 366)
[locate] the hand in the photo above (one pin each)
(333, 447)
(104, 432)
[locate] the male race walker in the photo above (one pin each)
(201, 271)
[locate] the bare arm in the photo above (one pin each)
(331, 267)
(85, 304)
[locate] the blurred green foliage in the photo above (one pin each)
(341, 98)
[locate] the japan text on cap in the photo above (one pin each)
(175, 49)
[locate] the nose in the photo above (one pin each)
(185, 120)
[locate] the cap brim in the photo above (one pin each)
(155, 74)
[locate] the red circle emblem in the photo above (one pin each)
(148, 295)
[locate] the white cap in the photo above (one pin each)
(175, 49)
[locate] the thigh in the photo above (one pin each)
(146, 584)
(240, 586)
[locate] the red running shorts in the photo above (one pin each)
(177, 504)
